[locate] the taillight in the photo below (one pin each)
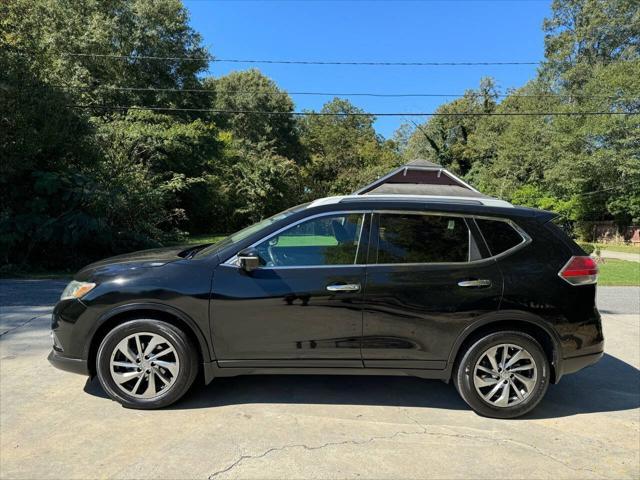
(580, 271)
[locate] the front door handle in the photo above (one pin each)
(345, 287)
(474, 283)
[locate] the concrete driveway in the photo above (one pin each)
(57, 425)
(631, 257)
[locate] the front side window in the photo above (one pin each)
(328, 240)
(414, 238)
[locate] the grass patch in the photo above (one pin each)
(620, 248)
(615, 272)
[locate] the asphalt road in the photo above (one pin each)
(57, 425)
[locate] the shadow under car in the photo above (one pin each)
(610, 385)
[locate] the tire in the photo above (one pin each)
(523, 387)
(139, 382)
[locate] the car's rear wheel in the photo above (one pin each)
(146, 363)
(503, 374)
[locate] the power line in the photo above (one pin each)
(336, 94)
(381, 64)
(293, 62)
(137, 57)
(347, 114)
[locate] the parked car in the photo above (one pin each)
(492, 297)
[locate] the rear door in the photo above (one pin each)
(303, 306)
(426, 281)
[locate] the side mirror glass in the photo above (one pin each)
(248, 260)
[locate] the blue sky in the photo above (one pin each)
(437, 31)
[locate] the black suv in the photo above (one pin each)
(494, 297)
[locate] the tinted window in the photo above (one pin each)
(406, 238)
(500, 236)
(330, 240)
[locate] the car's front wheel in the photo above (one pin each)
(146, 363)
(503, 375)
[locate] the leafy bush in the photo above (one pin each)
(263, 185)
(588, 248)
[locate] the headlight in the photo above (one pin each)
(76, 290)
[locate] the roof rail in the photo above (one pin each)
(486, 201)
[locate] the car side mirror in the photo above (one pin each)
(248, 259)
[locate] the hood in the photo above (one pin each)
(155, 257)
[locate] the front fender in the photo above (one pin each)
(124, 310)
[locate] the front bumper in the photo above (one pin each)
(74, 365)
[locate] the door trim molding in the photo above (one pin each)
(296, 363)
(212, 370)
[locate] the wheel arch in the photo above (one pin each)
(518, 321)
(154, 311)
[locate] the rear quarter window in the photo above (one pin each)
(500, 236)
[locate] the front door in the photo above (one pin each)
(425, 283)
(303, 306)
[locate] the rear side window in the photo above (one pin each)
(500, 236)
(407, 238)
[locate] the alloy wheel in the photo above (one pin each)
(144, 365)
(505, 375)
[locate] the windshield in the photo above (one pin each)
(250, 230)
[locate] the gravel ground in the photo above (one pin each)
(59, 425)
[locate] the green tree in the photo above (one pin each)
(592, 52)
(582, 34)
(44, 148)
(345, 150)
(512, 151)
(82, 183)
(585, 167)
(183, 153)
(76, 45)
(251, 91)
(443, 139)
(263, 185)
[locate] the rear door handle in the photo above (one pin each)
(474, 283)
(346, 287)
